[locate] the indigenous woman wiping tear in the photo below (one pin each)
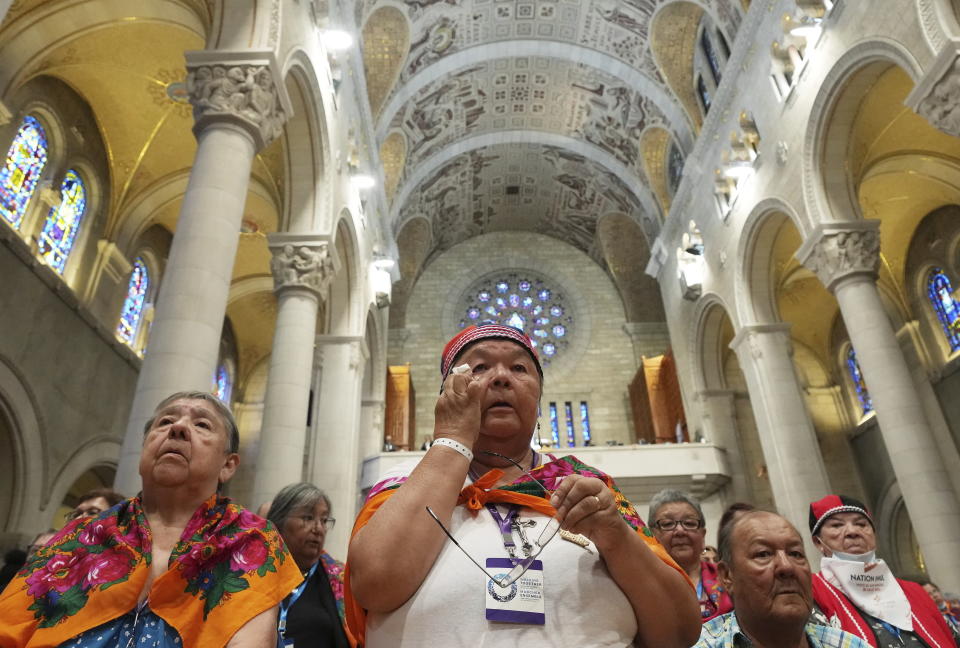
(603, 580)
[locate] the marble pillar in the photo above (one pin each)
(239, 107)
(718, 415)
(787, 435)
(337, 442)
(846, 258)
(302, 270)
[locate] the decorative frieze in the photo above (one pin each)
(302, 266)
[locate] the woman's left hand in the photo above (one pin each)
(585, 505)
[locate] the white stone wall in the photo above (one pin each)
(597, 366)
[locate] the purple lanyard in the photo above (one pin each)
(506, 527)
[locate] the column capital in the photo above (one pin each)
(835, 251)
(304, 262)
(749, 338)
(243, 88)
(936, 97)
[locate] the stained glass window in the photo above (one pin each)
(712, 59)
(133, 305)
(525, 302)
(863, 396)
(585, 423)
(571, 438)
(674, 168)
(60, 231)
(940, 293)
(704, 94)
(18, 178)
(554, 425)
(224, 385)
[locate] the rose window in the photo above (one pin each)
(522, 301)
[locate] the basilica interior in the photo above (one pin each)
(731, 228)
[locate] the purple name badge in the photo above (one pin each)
(520, 602)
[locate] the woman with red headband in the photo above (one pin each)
(566, 559)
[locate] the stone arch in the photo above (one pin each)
(414, 243)
(754, 294)
(344, 299)
(100, 451)
(393, 155)
(829, 191)
(622, 244)
(386, 43)
(27, 440)
(306, 146)
(655, 143)
(707, 347)
(673, 41)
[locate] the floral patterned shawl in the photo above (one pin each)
(525, 492)
(229, 566)
(334, 570)
(714, 601)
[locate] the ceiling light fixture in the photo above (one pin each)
(363, 181)
(337, 40)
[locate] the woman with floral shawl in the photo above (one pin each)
(603, 580)
(176, 565)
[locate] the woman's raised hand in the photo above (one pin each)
(457, 414)
(585, 505)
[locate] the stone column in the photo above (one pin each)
(936, 97)
(846, 257)
(787, 436)
(718, 415)
(239, 107)
(335, 465)
(302, 270)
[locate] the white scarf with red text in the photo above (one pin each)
(871, 587)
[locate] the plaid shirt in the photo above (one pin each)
(724, 632)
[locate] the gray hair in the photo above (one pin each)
(672, 496)
(293, 497)
(226, 416)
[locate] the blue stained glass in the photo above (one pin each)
(559, 330)
(554, 426)
(501, 302)
(540, 333)
(473, 313)
(940, 293)
(549, 349)
(544, 295)
(60, 230)
(516, 321)
(527, 301)
(492, 311)
(484, 296)
(542, 321)
(514, 300)
(133, 305)
(537, 309)
(711, 56)
(502, 287)
(556, 311)
(584, 422)
(25, 161)
(223, 384)
(524, 285)
(568, 410)
(866, 404)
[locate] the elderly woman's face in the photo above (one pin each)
(304, 532)
(684, 546)
(509, 405)
(187, 445)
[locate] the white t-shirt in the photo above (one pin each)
(583, 606)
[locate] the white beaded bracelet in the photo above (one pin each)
(455, 445)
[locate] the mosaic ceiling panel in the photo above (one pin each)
(529, 187)
(528, 93)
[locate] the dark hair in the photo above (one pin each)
(731, 512)
(113, 497)
(725, 534)
(294, 496)
(226, 416)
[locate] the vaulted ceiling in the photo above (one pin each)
(543, 116)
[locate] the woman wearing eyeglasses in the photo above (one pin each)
(312, 615)
(487, 542)
(677, 522)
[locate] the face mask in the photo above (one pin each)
(870, 586)
(866, 558)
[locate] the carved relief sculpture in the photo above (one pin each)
(302, 267)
